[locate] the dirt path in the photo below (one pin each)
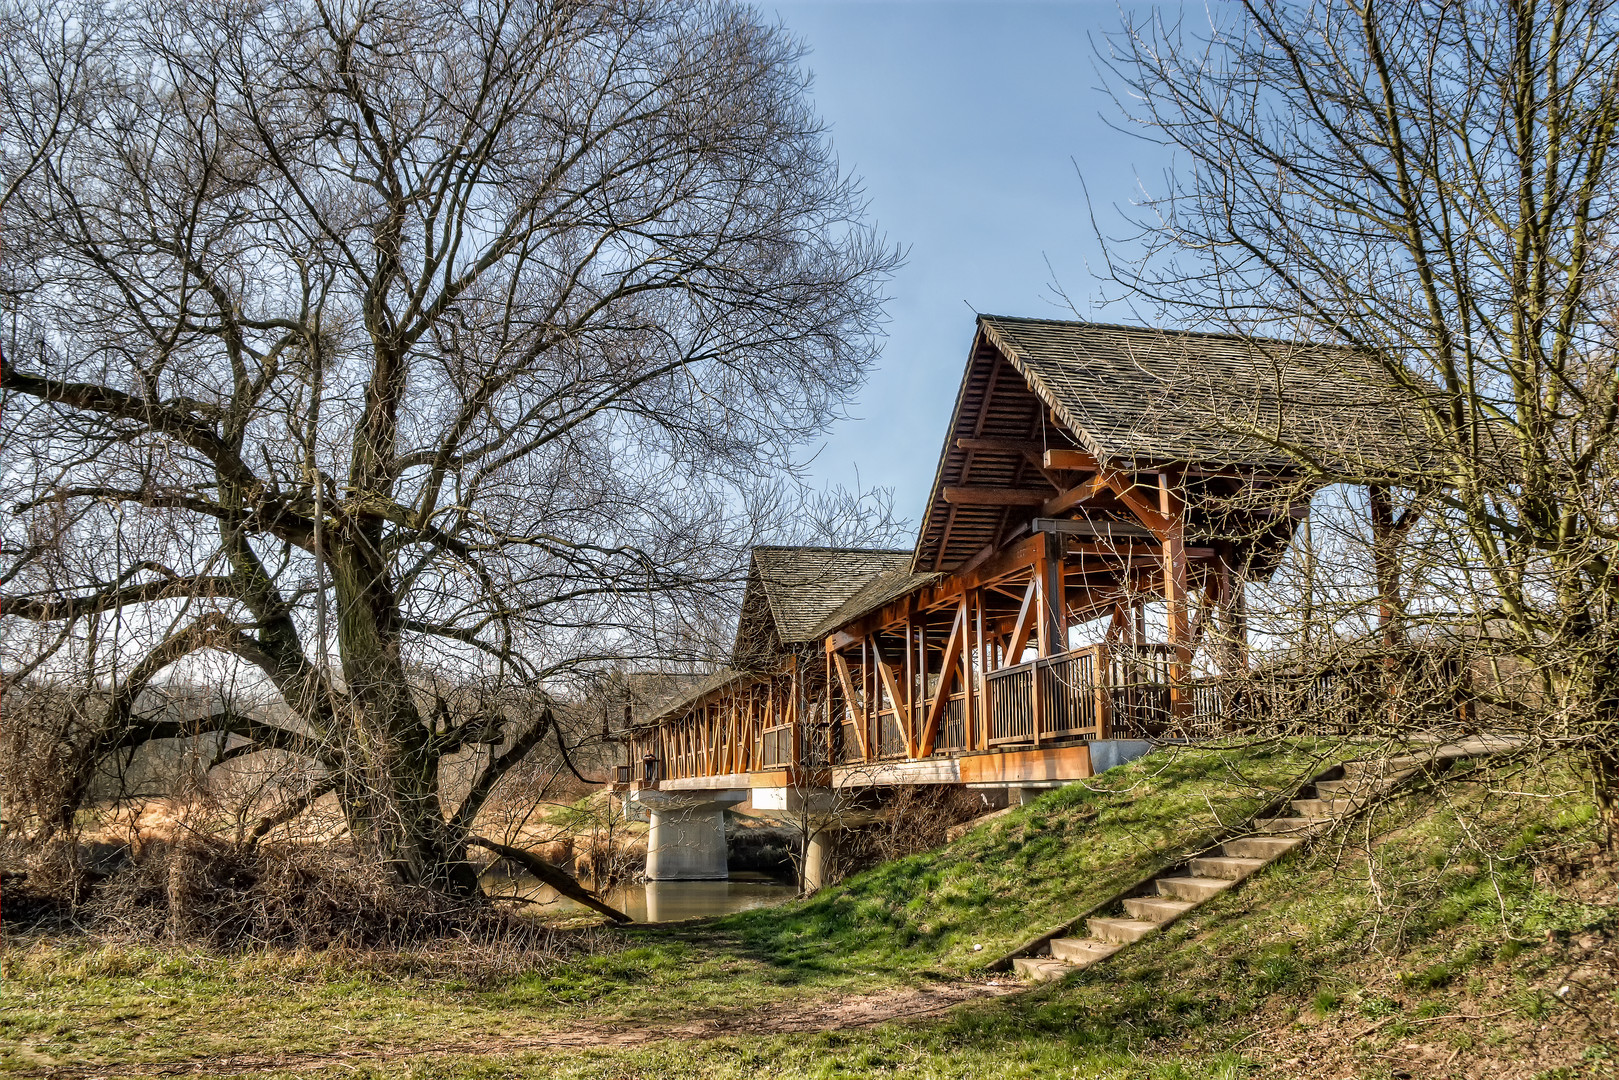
(844, 1014)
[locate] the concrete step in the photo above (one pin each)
(1326, 808)
(1385, 767)
(1041, 968)
(1225, 866)
(1287, 825)
(1122, 931)
(1082, 952)
(1260, 847)
(1195, 889)
(1359, 786)
(1157, 909)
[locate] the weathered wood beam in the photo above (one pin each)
(1001, 444)
(1015, 558)
(994, 496)
(1127, 549)
(947, 678)
(856, 706)
(1025, 622)
(1071, 460)
(1105, 530)
(1153, 517)
(1173, 511)
(890, 685)
(1080, 493)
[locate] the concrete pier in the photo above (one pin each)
(686, 840)
(818, 854)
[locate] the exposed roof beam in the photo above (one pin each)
(1104, 529)
(1076, 460)
(1008, 445)
(1071, 498)
(995, 496)
(1111, 553)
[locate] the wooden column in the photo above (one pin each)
(1104, 698)
(1173, 508)
(969, 682)
(1042, 585)
(1233, 612)
(920, 701)
(1054, 609)
(869, 721)
(1385, 561)
(980, 734)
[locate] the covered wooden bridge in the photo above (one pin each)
(1104, 497)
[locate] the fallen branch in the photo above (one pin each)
(560, 880)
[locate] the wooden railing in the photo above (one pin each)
(891, 741)
(1070, 704)
(776, 746)
(1009, 704)
(953, 725)
(1097, 692)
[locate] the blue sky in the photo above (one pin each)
(971, 124)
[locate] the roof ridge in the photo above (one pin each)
(820, 547)
(1223, 335)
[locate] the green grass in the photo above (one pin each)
(1447, 903)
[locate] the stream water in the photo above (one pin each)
(668, 901)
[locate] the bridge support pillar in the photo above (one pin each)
(818, 854)
(686, 841)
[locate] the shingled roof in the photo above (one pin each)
(1131, 393)
(1140, 398)
(676, 693)
(871, 596)
(792, 590)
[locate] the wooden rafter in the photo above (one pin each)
(1153, 517)
(967, 495)
(1082, 492)
(1071, 460)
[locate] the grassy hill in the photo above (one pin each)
(1465, 930)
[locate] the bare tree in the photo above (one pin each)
(356, 337)
(1433, 186)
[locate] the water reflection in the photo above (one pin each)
(665, 901)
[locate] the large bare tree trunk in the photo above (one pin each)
(446, 338)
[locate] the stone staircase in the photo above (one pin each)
(1161, 900)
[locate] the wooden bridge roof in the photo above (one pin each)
(1142, 398)
(1135, 394)
(792, 590)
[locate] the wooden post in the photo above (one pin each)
(1054, 610)
(968, 681)
(1042, 648)
(1042, 601)
(1381, 505)
(1104, 699)
(980, 733)
(795, 750)
(868, 695)
(920, 702)
(1173, 508)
